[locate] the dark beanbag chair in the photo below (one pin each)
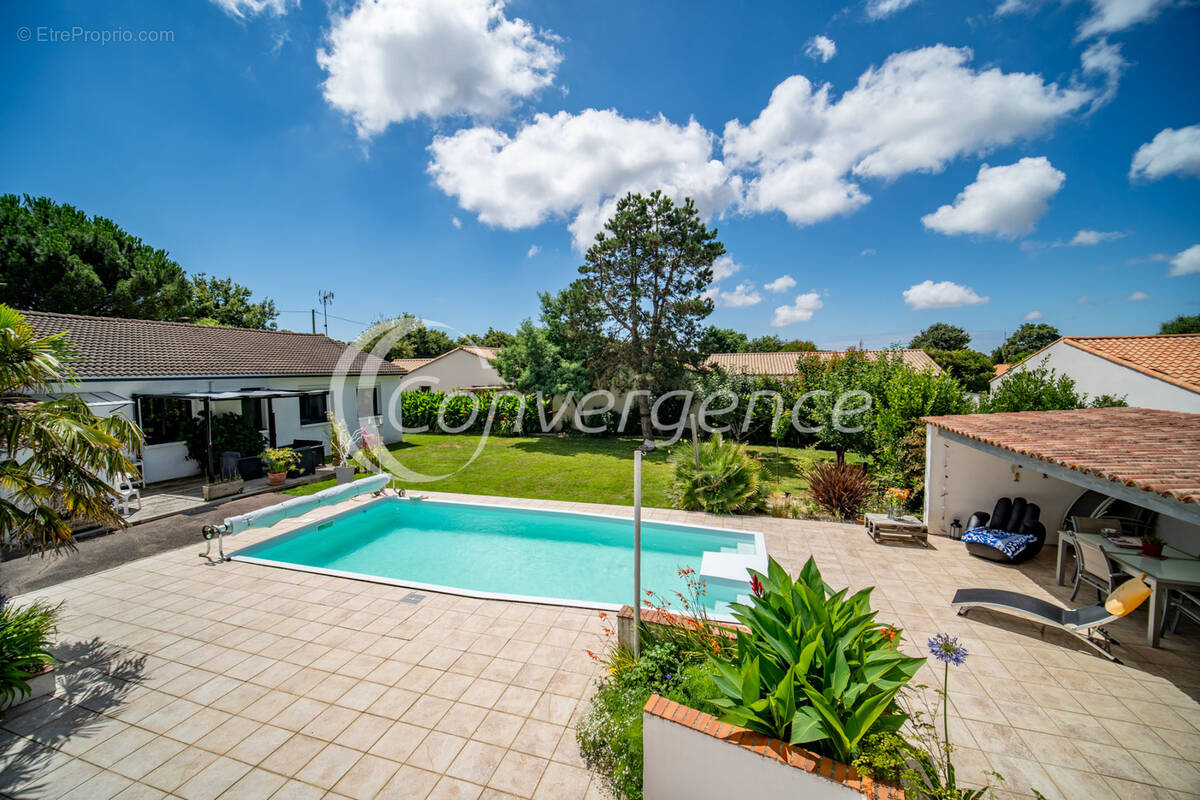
(1011, 534)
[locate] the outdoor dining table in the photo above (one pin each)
(1176, 570)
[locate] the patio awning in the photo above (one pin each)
(1143, 456)
(93, 399)
(236, 394)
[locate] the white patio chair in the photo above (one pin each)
(127, 492)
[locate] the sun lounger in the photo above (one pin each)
(1083, 623)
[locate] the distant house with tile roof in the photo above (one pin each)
(783, 365)
(1154, 371)
(465, 367)
(162, 373)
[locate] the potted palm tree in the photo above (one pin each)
(277, 461)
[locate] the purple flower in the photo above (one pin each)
(945, 648)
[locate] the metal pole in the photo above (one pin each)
(208, 455)
(637, 551)
(314, 319)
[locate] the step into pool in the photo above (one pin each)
(516, 553)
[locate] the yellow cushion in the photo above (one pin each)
(1128, 596)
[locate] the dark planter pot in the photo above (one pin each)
(1152, 550)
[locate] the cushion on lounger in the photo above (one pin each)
(1128, 596)
(1008, 543)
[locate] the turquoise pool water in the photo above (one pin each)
(526, 553)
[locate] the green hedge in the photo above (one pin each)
(466, 412)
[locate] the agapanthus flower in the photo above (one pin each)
(945, 648)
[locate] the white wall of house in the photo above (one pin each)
(455, 370)
(960, 480)
(169, 460)
(1095, 376)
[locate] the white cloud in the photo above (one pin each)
(1170, 152)
(577, 165)
(743, 295)
(1031, 316)
(1137, 297)
(918, 111)
(801, 310)
(723, 267)
(781, 284)
(1086, 238)
(533, 250)
(1104, 60)
(456, 222)
(870, 251)
(394, 60)
(820, 48)
(1014, 6)
(1110, 16)
(1186, 263)
(944, 294)
(878, 9)
(1004, 201)
(252, 8)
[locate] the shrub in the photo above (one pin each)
(610, 734)
(25, 634)
(230, 431)
(815, 667)
(842, 489)
(729, 480)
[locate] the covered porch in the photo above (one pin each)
(1133, 465)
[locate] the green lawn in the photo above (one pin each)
(577, 469)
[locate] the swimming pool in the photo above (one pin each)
(516, 553)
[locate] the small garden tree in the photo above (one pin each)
(648, 270)
(1038, 389)
(971, 368)
(532, 363)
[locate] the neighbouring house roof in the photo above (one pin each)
(1146, 448)
(112, 347)
(409, 364)
(1174, 358)
(782, 364)
(1170, 357)
(1000, 369)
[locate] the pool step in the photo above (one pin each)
(731, 567)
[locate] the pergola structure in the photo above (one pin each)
(242, 394)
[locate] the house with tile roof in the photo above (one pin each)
(465, 367)
(161, 373)
(783, 365)
(1155, 371)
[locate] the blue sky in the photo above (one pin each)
(448, 158)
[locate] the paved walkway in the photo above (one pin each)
(199, 680)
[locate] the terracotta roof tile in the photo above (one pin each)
(782, 364)
(1152, 450)
(111, 347)
(1174, 358)
(409, 364)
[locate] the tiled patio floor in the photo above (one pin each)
(195, 680)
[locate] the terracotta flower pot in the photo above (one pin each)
(276, 478)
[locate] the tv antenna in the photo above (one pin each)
(325, 297)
